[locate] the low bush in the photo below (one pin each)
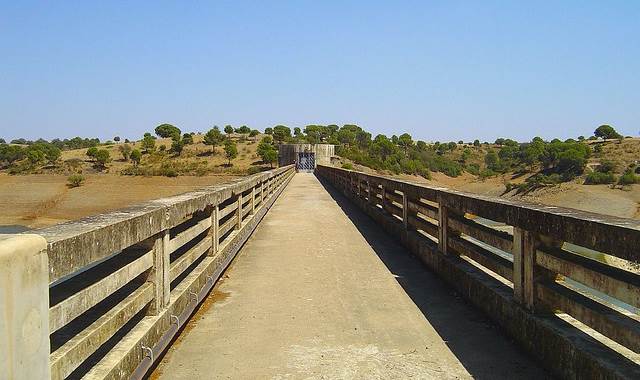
(629, 178)
(75, 180)
(598, 178)
(347, 166)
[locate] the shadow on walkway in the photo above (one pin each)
(479, 345)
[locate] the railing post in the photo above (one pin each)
(24, 305)
(261, 193)
(253, 200)
(443, 225)
(407, 196)
(370, 199)
(159, 273)
(383, 192)
(215, 230)
(239, 212)
(526, 274)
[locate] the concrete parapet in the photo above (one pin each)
(511, 260)
(24, 307)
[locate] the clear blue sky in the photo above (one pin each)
(440, 70)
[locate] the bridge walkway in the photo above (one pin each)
(320, 291)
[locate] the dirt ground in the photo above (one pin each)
(42, 200)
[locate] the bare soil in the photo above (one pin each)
(42, 200)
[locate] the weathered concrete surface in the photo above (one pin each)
(322, 292)
(24, 307)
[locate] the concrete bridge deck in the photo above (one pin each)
(321, 291)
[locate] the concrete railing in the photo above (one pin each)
(564, 283)
(118, 286)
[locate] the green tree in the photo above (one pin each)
(405, 142)
(116, 139)
(187, 139)
(148, 143)
(102, 158)
(606, 132)
(383, 147)
(243, 130)
(136, 157)
(177, 146)
(125, 150)
(213, 137)
(228, 129)
(35, 156)
(492, 160)
(476, 142)
(266, 151)
(363, 139)
(346, 136)
(281, 133)
(230, 150)
(254, 133)
(168, 130)
(91, 152)
(268, 131)
(297, 132)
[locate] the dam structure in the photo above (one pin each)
(323, 273)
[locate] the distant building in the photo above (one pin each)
(305, 156)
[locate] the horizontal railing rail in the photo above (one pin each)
(536, 260)
(121, 284)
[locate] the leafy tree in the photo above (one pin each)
(148, 143)
(297, 132)
(499, 141)
(177, 146)
(35, 156)
(213, 137)
(116, 139)
(136, 156)
(125, 150)
(2, 141)
(187, 139)
(228, 129)
(230, 150)
(268, 131)
(254, 133)
(405, 142)
(281, 133)
(10, 154)
(102, 158)
(168, 130)
(266, 151)
(346, 136)
(50, 152)
(243, 130)
(476, 142)
(492, 160)
(606, 132)
(91, 152)
(363, 139)
(383, 147)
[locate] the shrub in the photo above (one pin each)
(347, 166)
(473, 169)
(125, 150)
(599, 178)
(607, 167)
(75, 180)
(102, 158)
(629, 178)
